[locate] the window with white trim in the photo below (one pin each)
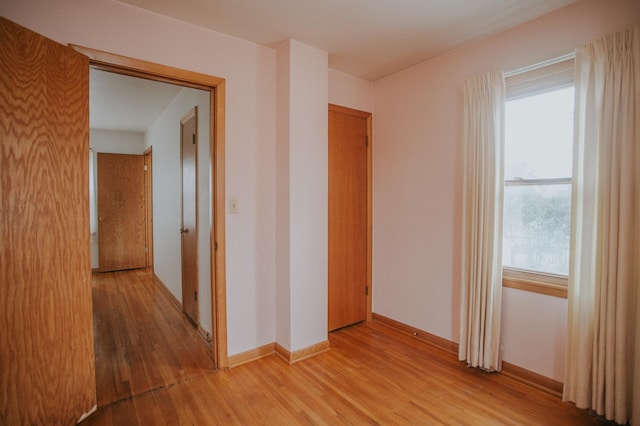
(537, 168)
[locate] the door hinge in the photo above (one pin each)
(366, 290)
(215, 245)
(195, 295)
(145, 167)
(146, 249)
(366, 141)
(193, 139)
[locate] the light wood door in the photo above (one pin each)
(148, 200)
(121, 212)
(47, 371)
(347, 217)
(189, 229)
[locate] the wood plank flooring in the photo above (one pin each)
(372, 375)
(142, 342)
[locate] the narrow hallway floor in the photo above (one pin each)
(142, 342)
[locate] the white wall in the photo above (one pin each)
(164, 138)
(302, 195)
(283, 197)
(534, 332)
(249, 71)
(349, 91)
(418, 183)
(309, 195)
(114, 142)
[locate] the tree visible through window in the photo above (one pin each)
(537, 193)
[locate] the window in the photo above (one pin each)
(537, 168)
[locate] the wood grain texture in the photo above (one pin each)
(311, 351)
(206, 337)
(189, 201)
(348, 213)
(46, 338)
(121, 212)
(422, 335)
(370, 217)
(142, 340)
(252, 355)
(144, 69)
(535, 287)
(164, 289)
(511, 370)
(541, 382)
(148, 201)
(218, 241)
(371, 375)
(301, 354)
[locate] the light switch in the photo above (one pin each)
(233, 206)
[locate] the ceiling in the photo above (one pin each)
(369, 39)
(118, 102)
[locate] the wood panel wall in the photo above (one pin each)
(46, 330)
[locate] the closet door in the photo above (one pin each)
(348, 287)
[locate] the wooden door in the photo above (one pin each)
(348, 287)
(47, 371)
(189, 229)
(148, 201)
(121, 212)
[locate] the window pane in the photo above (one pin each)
(537, 222)
(539, 136)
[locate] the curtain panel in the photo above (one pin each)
(603, 347)
(481, 287)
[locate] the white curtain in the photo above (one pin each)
(483, 145)
(603, 342)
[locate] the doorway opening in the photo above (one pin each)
(216, 90)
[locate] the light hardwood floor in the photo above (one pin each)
(142, 342)
(371, 375)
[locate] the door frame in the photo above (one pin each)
(369, 117)
(216, 88)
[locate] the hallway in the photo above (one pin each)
(142, 342)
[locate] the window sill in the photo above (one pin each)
(547, 284)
